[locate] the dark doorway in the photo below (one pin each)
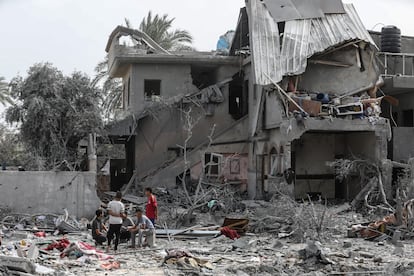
(238, 96)
(408, 118)
(119, 175)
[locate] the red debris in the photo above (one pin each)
(59, 245)
(230, 233)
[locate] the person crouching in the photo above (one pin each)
(98, 228)
(144, 227)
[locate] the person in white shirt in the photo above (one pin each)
(116, 211)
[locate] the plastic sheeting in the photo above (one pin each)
(301, 39)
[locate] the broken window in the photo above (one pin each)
(203, 76)
(152, 88)
(238, 96)
(235, 166)
(276, 162)
(408, 118)
(212, 164)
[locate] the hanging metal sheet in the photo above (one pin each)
(332, 6)
(301, 39)
(264, 35)
(304, 38)
(286, 10)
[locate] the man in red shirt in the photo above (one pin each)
(151, 209)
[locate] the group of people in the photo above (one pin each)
(122, 227)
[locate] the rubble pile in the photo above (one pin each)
(276, 237)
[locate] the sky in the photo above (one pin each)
(72, 34)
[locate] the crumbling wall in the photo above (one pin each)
(49, 192)
(233, 168)
(175, 80)
(337, 138)
(158, 136)
(335, 78)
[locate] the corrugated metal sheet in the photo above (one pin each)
(264, 35)
(286, 10)
(302, 39)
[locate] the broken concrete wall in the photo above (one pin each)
(175, 80)
(311, 153)
(333, 79)
(157, 137)
(49, 192)
(233, 168)
(224, 142)
(337, 138)
(273, 113)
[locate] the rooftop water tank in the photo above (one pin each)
(390, 39)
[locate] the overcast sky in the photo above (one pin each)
(72, 34)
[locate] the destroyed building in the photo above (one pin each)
(397, 70)
(296, 91)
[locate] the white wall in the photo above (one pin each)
(49, 192)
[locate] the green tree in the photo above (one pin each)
(159, 28)
(55, 113)
(111, 89)
(4, 92)
(9, 145)
(13, 152)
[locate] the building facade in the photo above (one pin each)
(296, 92)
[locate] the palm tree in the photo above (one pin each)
(111, 88)
(159, 28)
(5, 97)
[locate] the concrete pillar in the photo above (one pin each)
(92, 159)
(386, 173)
(251, 173)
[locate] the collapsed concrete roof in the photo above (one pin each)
(146, 51)
(137, 35)
(303, 37)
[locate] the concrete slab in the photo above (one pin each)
(18, 264)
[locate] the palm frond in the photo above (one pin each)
(159, 29)
(5, 94)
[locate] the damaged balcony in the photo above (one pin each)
(398, 72)
(314, 98)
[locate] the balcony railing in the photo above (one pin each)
(397, 64)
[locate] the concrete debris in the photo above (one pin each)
(315, 250)
(33, 252)
(186, 260)
(17, 264)
(244, 243)
(200, 249)
(388, 227)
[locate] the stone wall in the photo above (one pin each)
(49, 192)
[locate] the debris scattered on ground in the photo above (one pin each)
(276, 237)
